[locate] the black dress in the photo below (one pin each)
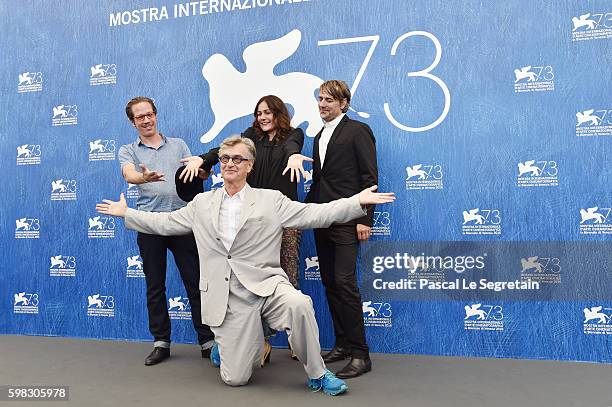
(270, 162)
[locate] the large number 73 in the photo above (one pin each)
(424, 73)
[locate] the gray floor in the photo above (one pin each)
(107, 373)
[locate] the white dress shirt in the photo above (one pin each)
(328, 130)
(229, 216)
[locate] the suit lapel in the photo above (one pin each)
(315, 152)
(215, 207)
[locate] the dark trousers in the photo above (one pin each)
(154, 253)
(337, 248)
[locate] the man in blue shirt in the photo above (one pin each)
(146, 162)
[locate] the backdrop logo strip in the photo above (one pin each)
(592, 26)
(103, 74)
(62, 266)
(30, 82)
(592, 122)
(28, 154)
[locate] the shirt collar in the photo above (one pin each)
(334, 122)
(239, 194)
(139, 141)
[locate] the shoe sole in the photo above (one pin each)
(153, 364)
(352, 377)
(341, 390)
(334, 360)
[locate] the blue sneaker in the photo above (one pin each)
(215, 358)
(329, 383)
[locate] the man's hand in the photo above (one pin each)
(363, 232)
(369, 197)
(113, 208)
(151, 176)
(295, 163)
(192, 165)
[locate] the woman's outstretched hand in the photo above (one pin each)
(295, 163)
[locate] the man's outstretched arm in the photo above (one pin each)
(174, 223)
(309, 216)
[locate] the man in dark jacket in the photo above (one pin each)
(344, 155)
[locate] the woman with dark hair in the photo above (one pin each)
(276, 142)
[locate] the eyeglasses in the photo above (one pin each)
(236, 159)
(141, 118)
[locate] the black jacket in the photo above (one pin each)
(270, 162)
(350, 165)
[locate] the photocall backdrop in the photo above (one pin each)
(493, 124)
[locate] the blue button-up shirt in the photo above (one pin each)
(157, 196)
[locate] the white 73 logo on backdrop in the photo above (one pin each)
(424, 73)
(381, 219)
(598, 17)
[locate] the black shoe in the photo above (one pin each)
(206, 353)
(158, 355)
(356, 367)
(337, 353)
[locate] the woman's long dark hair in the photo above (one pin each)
(280, 114)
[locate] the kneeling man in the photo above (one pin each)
(238, 232)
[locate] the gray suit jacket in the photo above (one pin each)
(255, 254)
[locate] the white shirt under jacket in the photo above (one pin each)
(328, 131)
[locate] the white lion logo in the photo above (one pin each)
(472, 215)
(20, 299)
(59, 111)
(474, 311)
(217, 179)
(587, 117)
(57, 262)
(94, 300)
(95, 223)
(415, 171)
(233, 93)
(525, 73)
(25, 78)
(24, 151)
(58, 185)
(176, 303)
(591, 214)
(528, 167)
(98, 71)
(583, 21)
(366, 308)
(531, 263)
(594, 313)
(21, 224)
(134, 262)
(312, 262)
(96, 146)
(307, 176)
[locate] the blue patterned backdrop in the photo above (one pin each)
(493, 123)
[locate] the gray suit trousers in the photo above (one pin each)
(240, 336)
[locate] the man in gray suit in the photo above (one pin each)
(238, 232)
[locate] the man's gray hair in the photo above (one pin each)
(231, 141)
